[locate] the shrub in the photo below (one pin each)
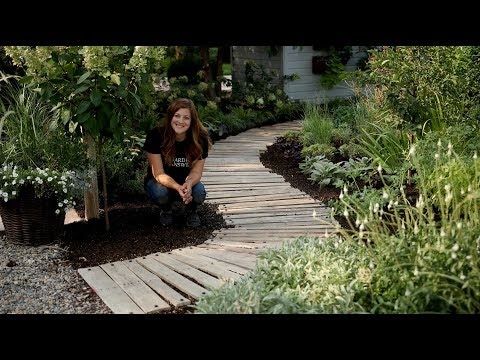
(35, 151)
(319, 149)
(317, 125)
(428, 84)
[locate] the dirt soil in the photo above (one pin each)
(283, 157)
(134, 231)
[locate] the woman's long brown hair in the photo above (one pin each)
(195, 133)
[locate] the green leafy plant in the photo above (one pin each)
(317, 125)
(318, 149)
(35, 152)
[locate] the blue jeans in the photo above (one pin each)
(163, 196)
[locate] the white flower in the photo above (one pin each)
(437, 156)
(459, 225)
(462, 277)
(357, 222)
(49, 179)
(412, 150)
(415, 272)
(345, 213)
(385, 194)
(376, 207)
(341, 195)
(14, 182)
(455, 247)
(379, 168)
(60, 204)
(345, 190)
(475, 155)
(57, 211)
(65, 190)
(14, 193)
(21, 181)
(454, 255)
(74, 203)
(407, 292)
(65, 201)
(29, 177)
(415, 229)
(442, 233)
(362, 227)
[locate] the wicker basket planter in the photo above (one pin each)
(31, 221)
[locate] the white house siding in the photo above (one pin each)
(259, 54)
(298, 60)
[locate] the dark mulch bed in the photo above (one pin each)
(283, 157)
(134, 231)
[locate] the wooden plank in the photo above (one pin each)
(202, 278)
(233, 194)
(234, 173)
(240, 270)
(257, 210)
(293, 221)
(251, 250)
(280, 213)
(144, 297)
(110, 293)
(244, 245)
(236, 258)
(174, 298)
(252, 205)
(258, 198)
(178, 281)
(223, 272)
(247, 186)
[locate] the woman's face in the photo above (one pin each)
(181, 123)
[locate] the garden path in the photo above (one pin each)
(263, 208)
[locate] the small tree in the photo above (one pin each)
(98, 89)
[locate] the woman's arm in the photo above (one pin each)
(195, 173)
(155, 161)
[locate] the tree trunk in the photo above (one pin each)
(104, 183)
(205, 56)
(218, 81)
(91, 195)
(178, 53)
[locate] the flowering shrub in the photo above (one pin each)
(65, 187)
(35, 152)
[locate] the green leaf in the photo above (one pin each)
(83, 107)
(115, 79)
(65, 115)
(26, 79)
(96, 97)
(83, 117)
(72, 126)
(59, 105)
(80, 89)
(83, 77)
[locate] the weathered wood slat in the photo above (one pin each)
(178, 281)
(247, 261)
(202, 278)
(165, 291)
(109, 291)
(222, 272)
(206, 264)
(144, 297)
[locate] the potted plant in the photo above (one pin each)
(42, 170)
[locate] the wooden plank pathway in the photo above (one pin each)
(263, 208)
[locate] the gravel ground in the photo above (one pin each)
(40, 280)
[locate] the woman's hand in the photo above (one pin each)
(185, 192)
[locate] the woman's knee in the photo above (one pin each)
(157, 192)
(199, 193)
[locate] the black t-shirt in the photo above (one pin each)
(180, 168)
